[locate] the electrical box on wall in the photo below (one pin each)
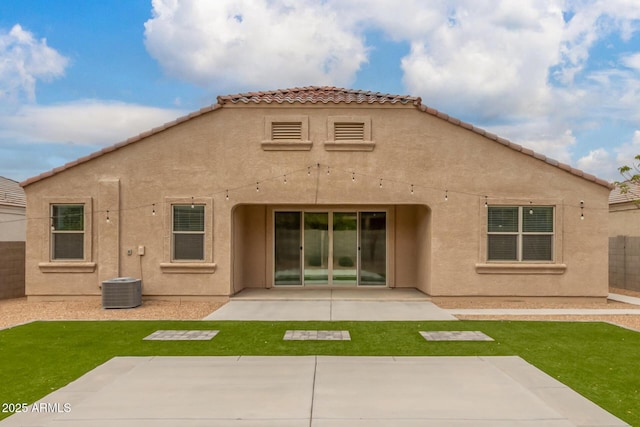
(140, 250)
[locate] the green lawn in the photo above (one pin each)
(598, 360)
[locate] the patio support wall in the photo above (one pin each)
(411, 247)
(108, 230)
(249, 247)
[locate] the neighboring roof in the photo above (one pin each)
(325, 95)
(617, 196)
(11, 194)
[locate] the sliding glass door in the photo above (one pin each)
(345, 248)
(316, 248)
(288, 247)
(373, 244)
(338, 248)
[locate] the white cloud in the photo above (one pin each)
(254, 43)
(551, 139)
(408, 20)
(488, 60)
(479, 60)
(84, 122)
(626, 153)
(598, 162)
(526, 65)
(23, 61)
(631, 61)
(604, 162)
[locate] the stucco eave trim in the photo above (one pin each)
(349, 146)
(67, 267)
(286, 146)
(486, 268)
(188, 267)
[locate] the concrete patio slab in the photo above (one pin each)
(330, 304)
(317, 391)
(349, 293)
(387, 310)
(272, 310)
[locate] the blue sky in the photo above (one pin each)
(559, 77)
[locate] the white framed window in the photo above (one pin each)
(188, 232)
(188, 247)
(520, 233)
(67, 231)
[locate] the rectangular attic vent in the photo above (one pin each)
(286, 131)
(349, 131)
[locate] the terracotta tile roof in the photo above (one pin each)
(317, 94)
(617, 196)
(11, 194)
(324, 95)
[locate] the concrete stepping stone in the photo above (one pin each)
(455, 336)
(299, 335)
(181, 335)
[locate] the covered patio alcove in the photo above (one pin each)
(312, 247)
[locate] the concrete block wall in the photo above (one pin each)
(624, 262)
(12, 257)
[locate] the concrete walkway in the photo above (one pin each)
(624, 298)
(555, 311)
(371, 305)
(316, 391)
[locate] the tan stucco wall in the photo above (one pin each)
(250, 247)
(206, 155)
(624, 220)
(13, 224)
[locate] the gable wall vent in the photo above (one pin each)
(286, 131)
(349, 131)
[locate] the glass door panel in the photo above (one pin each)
(373, 248)
(287, 248)
(345, 248)
(316, 248)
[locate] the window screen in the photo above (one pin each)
(503, 219)
(538, 219)
(67, 232)
(520, 233)
(536, 247)
(503, 247)
(188, 232)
